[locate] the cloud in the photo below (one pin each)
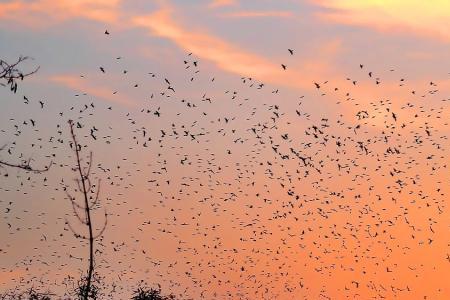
(220, 3)
(102, 92)
(426, 18)
(46, 12)
(225, 55)
(163, 23)
(258, 14)
(230, 57)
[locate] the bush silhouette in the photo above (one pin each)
(144, 293)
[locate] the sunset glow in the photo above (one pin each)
(240, 149)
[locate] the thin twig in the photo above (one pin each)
(86, 188)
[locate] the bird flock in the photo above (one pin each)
(234, 189)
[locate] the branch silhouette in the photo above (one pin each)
(83, 212)
(10, 72)
(24, 165)
(9, 75)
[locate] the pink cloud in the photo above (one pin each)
(105, 93)
(227, 56)
(220, 3)
(231, 57)
(425, 18)
(258, 14)
(46, 12)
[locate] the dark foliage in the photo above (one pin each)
(30, 294)
(145, 293)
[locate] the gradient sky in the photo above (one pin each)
(224, 227)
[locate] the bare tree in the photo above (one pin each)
(10, 73)
(24, 164)
(90, 194)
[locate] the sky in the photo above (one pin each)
(188, 108)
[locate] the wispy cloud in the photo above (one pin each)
(164, 22)
(426, 18)
(225, 55)
(220, 3)
(258, 14)
(46, 12)
(102, 92)
(228, 56)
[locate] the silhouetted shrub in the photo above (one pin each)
(145, 293)
(30, 294)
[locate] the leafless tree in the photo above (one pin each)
(10, 73)
(24, 164)
(83, 211)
